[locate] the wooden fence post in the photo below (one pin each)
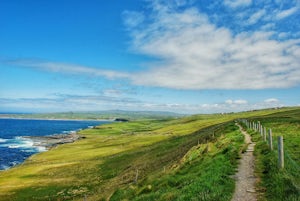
(136, 176)
(270, 139)
(280, 152)
(265, 134)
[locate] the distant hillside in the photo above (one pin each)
(109, 114)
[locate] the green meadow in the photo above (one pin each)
(276, 184)
(186, 158)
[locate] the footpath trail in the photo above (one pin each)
(245, 179)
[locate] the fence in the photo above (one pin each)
(267, 136)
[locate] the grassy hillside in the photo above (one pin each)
(203, 173)
(186, 158)
(110, 114)
(276, 184)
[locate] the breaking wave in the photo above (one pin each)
(2, 140)
(24, 144)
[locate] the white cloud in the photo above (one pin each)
(237, 3)
(229, 101)
(254, 18)
(68, 68)
(238, 102)
(283, 35)
(193, 53)
(238, 105)
(271, 100)
(268, 26)
(112, 92)
(241, 102)
(286, 13)
(67, 102)
(132, 18)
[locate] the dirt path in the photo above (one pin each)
(245, 179)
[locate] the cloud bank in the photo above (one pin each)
(194, 53)
(67, 102)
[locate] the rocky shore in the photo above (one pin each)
(53, 140)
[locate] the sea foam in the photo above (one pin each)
(2, 140)
(26, 145)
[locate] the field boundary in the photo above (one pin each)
(277, 161)
(276, 146)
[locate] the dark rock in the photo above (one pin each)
(121, 120)
(54, 140)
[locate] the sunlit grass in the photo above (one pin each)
(203, 173)
(108, 156)
(278, 184)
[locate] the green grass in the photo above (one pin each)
(71, 167)
(202, 174)
(165, 152)
(110, 114)
(276, 184)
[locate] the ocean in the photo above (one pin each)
(14, 148)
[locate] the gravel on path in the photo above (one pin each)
(245, 178)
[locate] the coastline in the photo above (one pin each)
(37, 144)
(52, 141)
(47, 143)
(54, 119)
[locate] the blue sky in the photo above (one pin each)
(184, 56)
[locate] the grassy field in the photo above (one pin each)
(276, 184)
(203, 173)
(189, 158)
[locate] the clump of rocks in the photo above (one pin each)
(51, 141)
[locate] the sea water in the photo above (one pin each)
(14, 148)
